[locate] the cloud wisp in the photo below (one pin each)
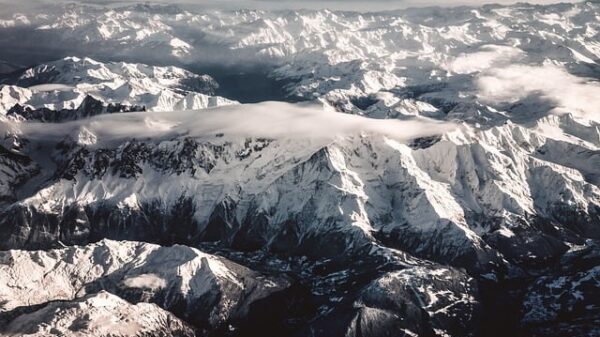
(568, 93)
(487, 57)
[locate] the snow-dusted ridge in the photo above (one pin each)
(371, 188)
(328, 51)
(101, 314)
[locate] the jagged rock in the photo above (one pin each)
(502, 186)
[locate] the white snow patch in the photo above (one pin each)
(86, 137)
(506, 232)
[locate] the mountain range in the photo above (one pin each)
(426, 172)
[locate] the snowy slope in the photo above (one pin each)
(466, 184)
(101, 314)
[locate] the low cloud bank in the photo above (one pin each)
(275, 120)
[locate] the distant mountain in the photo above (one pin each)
(47, 91)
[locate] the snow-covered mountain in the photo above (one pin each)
(324, 51)
(101, 314)
(204, 289)
(443, 180)
(73, 88)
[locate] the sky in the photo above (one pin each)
(356, 5)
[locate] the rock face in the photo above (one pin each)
(449, 298)
(365, 190)
(443, 180)
(564, 303)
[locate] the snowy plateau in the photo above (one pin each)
(172, 171)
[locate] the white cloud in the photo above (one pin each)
(569, 93)
(487, 57)
(145, 281)
(270, 119)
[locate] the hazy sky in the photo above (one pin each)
(358, 5)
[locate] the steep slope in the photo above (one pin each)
(418, 301)
(498, 201)
(464, 187)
